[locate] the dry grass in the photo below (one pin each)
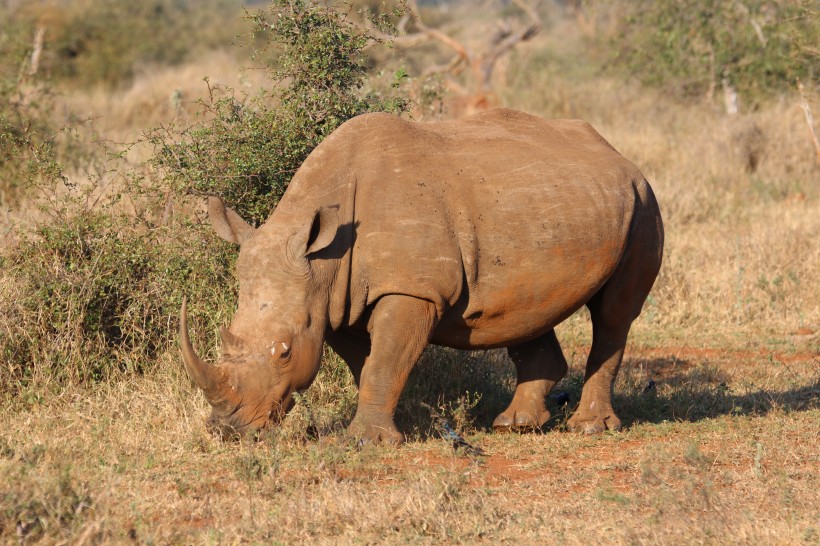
(152, 98)
(722, 450)
(131, 461)
(161, 96)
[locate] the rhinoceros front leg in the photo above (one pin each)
(539, 364)
(400, 327)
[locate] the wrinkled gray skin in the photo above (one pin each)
(477, 233)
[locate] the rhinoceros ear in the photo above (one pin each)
(228, 224)
(319, 234)
(324, 228)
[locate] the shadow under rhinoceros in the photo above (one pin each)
(468, 388)
(472, 387)
(670, 389)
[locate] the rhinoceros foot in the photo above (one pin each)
(589, 423)
(518, 417)
(374, 431)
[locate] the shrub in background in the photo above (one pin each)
(758, 46)
(96, 292)
(90, 288)
(103, 42)
(27, 143)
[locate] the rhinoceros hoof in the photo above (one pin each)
(594, 424)
(520, 420)
(372, 433)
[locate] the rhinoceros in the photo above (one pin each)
(478, 233)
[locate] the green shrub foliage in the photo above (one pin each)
(758, 46)
(95, 291)
(247, 149)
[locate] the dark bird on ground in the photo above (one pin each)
(459, 443)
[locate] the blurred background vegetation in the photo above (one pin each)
(692, 47)
(96, 42)
(109, 138)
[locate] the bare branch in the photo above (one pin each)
(505, 45)
(402, 26)
(441, 68)
(755, 25)
(37, 50)
(456, 87)
(730, 98)
(404, 41)
(505, 37)
(804, 104)
(437, 34)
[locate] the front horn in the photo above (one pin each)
(204, 375)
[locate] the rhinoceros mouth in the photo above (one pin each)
(231, 425)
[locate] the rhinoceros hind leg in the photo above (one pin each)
(613, 309)
(595, 413)
(400, 327)
(540, 364)
(612, 313)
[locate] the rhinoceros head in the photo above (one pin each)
(274, 344)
